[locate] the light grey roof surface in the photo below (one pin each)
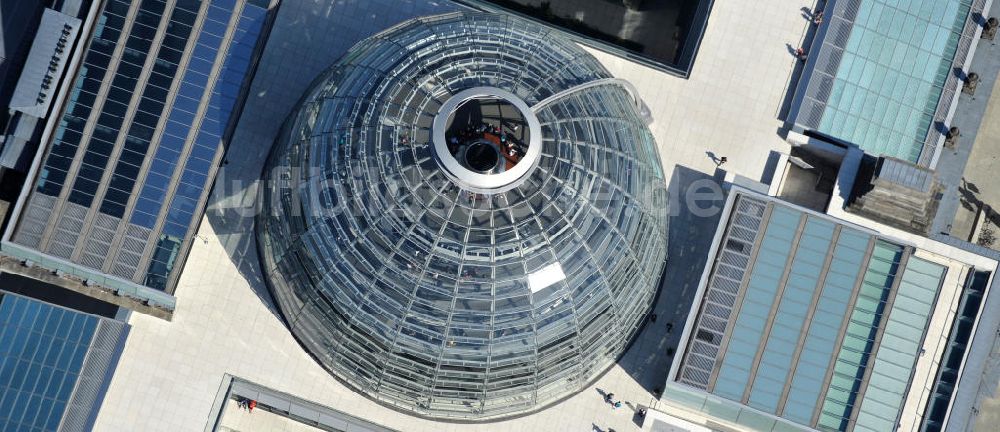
(46, 63)
(659, 426)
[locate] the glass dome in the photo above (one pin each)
(465, 217)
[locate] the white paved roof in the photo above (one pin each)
(170, 372)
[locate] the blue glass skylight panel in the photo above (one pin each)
(141, 131)
(42, 351)
(181, 118)
(110, 121)
(209, 132)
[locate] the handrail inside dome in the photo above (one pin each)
(643, 111)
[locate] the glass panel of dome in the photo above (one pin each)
(475, 234)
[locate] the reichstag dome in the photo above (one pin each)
(465, 217)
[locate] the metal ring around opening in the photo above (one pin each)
(471, 180)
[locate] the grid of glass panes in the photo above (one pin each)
(112, 117)
(859, 339)
(413, 289)
(161, 152)
(732, 264)
(899, 346)
(208, 139)
(806, 382)
(182, 116)
(892, 73)
(150, 108)
(69, 133)
(764, 284)
(42, 351)
(940, 400)
(777, 354)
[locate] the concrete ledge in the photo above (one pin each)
(293, 408)
(16, 266)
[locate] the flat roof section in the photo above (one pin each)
(19, 22)
(284, 411)
(883, 74)
(122, 177)
(811, 322)
(280, 411)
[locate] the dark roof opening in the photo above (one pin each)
(49, 293)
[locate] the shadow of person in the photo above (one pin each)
(970, 186)
(966, 204)
(638, 417)
(604, 395)
(791, 49)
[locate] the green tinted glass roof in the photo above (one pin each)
(892, 73)
(899, 346)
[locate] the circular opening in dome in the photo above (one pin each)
(484, 121)
(482, 156)
(486, 139)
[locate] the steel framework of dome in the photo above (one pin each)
(465, 217)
